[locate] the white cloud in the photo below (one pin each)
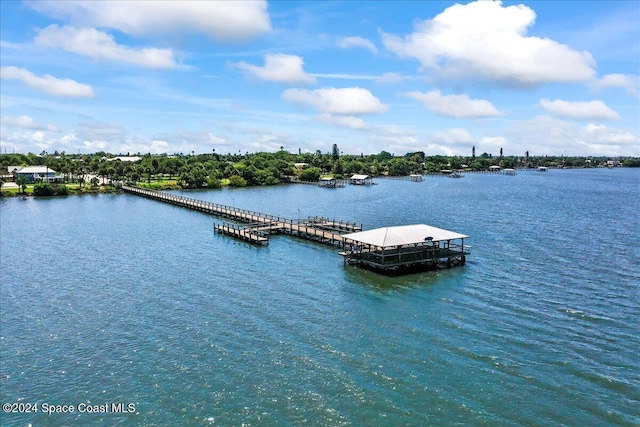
(579, 110)
(26, 122)
(110, 137)
(350, 122)
(391, 78)
(159, 146)
(28, 141)
(271, 141)
(279, 68)
(492, 144)
(220, 20)
(138, 144)
(344, 76)
(548, 135)
(460, 106)
(69, 138)
(47, 83)
(351, 100)
(451, 137)
(347, 42)
(628, 82)
(601, 134)
(100, 132)
(216, 140)
(99, 45)
(443, 150)
(484, 40)
(396, 143)
(93, 146)
(186, 141)
(395, 139)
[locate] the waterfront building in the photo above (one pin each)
(39, 173)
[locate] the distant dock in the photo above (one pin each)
(322, 182)
(389, 250)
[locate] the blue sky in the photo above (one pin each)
(555, 78)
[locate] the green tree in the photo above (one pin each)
(338, 167)
(310, 174)
(192, 175)
(384, 156)
(335, 152)
(237, 181)
(22, 183)
(213, 182)
(43, 189)
(455, 163)
(398, 167)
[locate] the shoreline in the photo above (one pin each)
(13, 190)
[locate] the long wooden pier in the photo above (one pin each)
(358, 247)
(258, 226)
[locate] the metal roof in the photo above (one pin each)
(127, 158)
(360, 177)
(403, 235)
(36, 169)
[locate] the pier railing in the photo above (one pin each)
(240, 215)
(315, 228)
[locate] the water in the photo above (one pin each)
(119, 299)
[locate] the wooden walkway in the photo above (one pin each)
(242, 233)
(336, 183)
(258, 226)
(491, 172)
(413, 178)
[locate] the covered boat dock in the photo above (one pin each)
(405, 249)
(361, 180)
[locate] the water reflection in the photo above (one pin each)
(381, 283)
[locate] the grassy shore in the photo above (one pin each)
(75, 188)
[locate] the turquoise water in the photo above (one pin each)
(119, 299)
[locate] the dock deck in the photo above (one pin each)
(242, 233)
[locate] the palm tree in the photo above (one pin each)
(22, 183)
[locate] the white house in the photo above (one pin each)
(39, 173)
(132, 159)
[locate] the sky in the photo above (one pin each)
(547, 77)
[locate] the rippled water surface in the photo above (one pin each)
(116, 298)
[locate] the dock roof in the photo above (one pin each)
(403, 235)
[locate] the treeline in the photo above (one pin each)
(215, 170)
